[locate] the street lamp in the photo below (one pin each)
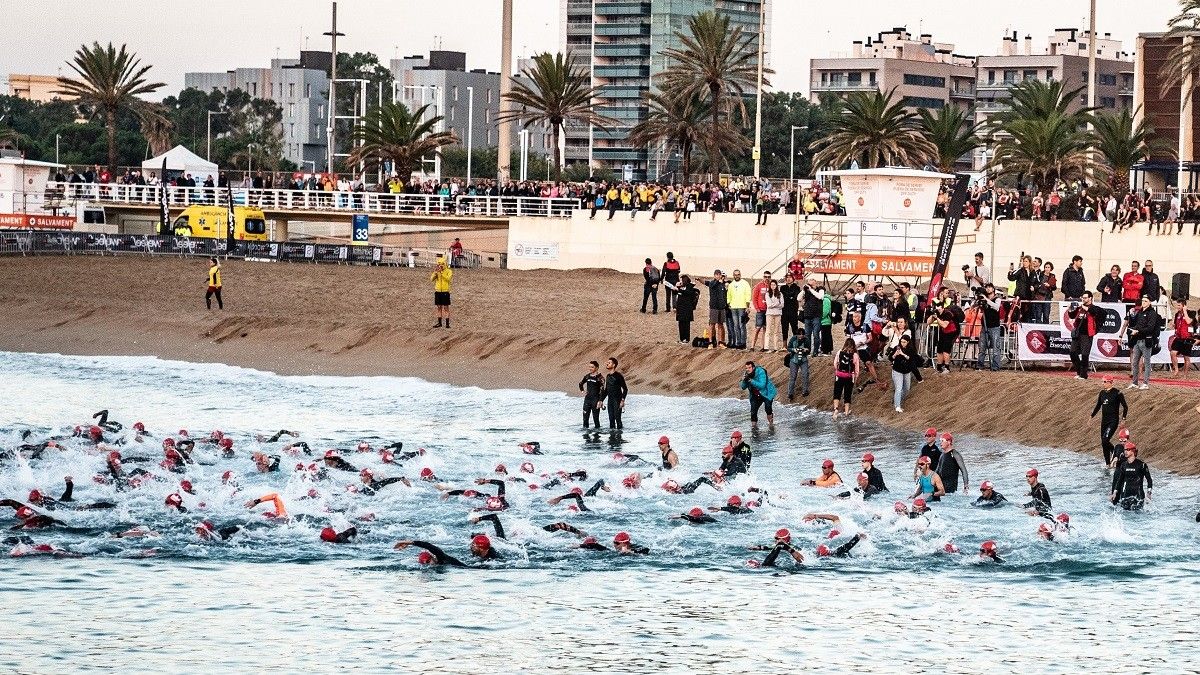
(56, 138)
(792, 162)
(250, 159)
(208, 151)
(470, 131)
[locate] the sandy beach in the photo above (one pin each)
(526, 329)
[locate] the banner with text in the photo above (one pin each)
(1048, 342)
(886, 265)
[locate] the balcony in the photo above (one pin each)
(844, 86)
(621, 92)
(622, 29)
(622, 71)
(1003, 85)
(623, 9)
(618, 50)
(963, 92)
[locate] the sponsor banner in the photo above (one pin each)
(958, 197)
(887, 265)
(1047, 342)
(26, 221)
(1114, 315)
(536, 250)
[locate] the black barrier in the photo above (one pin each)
(34, 242)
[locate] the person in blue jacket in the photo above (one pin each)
(762, 391)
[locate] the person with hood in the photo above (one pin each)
(687, 297)
(762, 391)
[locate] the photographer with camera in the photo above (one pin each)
(1026, 278)
(1087, 318)
(1141, 330)
(978, 275)
(988, 303)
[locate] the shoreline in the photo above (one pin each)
(345, 321)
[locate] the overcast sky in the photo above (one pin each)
(216, 35)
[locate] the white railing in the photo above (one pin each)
(313, 200)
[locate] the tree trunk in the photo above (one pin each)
(713, 160)
(555, 130)
(686, 151)
(110, 124)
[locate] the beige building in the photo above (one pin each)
(38, 88)
(926, 74)
(1173, 162)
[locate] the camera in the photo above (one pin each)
(966, 267)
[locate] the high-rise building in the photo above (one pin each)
(620, 44)
(300, 87)
(39, 88)
(1171, 162)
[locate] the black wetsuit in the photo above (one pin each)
(875, 479)
(732, 465)
(345, 536)
(1111, 405)
(278, 435)
(949, 467)
(1130, 482)
(378, 484)
(496, 525)
(272, 463)
(339, 463)
(996, 499)
(742, 452)
(867, 493)
(701, 519)
(933, 452)
(103, 422)
(775, 551)
(578, 500)
(592, 491)
(439, 555)
(689, 488)
(615, 390)
(591, 385)
(844, 550)
(556, 527)
(738, 510)
(1041, 500)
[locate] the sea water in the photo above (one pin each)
(1119, 594)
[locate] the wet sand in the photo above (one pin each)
(526, 329)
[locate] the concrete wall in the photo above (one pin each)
(733, 241)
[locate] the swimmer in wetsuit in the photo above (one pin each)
(531, 448)
(1110, 402)
(280, 511)
(66, 500)
(843, 550)
(670, 460)
(733, 505)
(688, 488)
(30, 519)
(783, 543)
(575, 494)
(278, 434)
(334, 461)
(332, 536)
(864, 488)
(592, 386)
(1132, 485)
(624, 545)
(431, 555)
(265, 463)
(1040, 505)
(988, 497)
(732, 462)
(206, 530)
(371, 485)
(988, 551)
(696, 516)
(104, 423)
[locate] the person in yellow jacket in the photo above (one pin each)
(738, 296)
(214, 284)
(441, 290)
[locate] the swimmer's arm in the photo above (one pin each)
(828, 517)
(438, 554)
(565, 527)
(66, 495)
(571, 495)
(494, 520)
(844, 549)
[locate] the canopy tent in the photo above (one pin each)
(181, 161)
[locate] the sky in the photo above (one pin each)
(217, 35)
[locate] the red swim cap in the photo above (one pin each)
(481, 541)
(227, 476)
(174, 499)
(182, 432)
(734, 501)
(863, 477)
(618, 456)
(226, 443)
(572, 508)
(1123, 433)
(664, 441)
(299, 466)
(950, 547)
(621, 538)
(427, 473)
(494, 504)
(114, 455)
(784, 535)
(168, 442)
(948, 437)
(931, 432)
(988, 547)
(900, 507)
(918, 502)
(186, 485)
(95, 432)
(312, 492)
(577, 491)
(868, 458)
(696, 512)
(1031, 472)
(833, 534)
(217, 435)
(671, 486)
(329, 534)
(1131, 446)
(526, 467)
(425, 558)
(500, 468)
(364, 446)
(533, 486)
(138, 426)
(985, 485)
(35, 496)
(366, 473)
(589, 540)
(24, 513)
(727, 450)
(827, 464)
(823, 550)
(736, 434)
(470, 493)
(330, 453)
(1044, 528)
(386, 457)
(1063, 518)
(631, 481)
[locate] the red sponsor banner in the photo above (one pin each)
(25, 221)
(886, 265)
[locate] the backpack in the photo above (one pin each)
(957, 312)
(654, 274)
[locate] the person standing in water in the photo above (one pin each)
(1132, 485)
(441, 291)
(615, 390)
(762, 391)
(592, 385)
(1113, 408)
(214, 284)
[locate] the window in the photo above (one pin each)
(291, 111)
(489, 96)
(854, 79)
(307, 90)
(991, 77)
(1108, 80)
(291, 90)
(924, 80)
(1049, 74)
(1029, 75)
(1108, 102)
(254, 89)
(489, 136)
(923, 102)
(455, 96)
(453, 108)
(1010, 77)
(824, 78)
(292, 130)
(872, 78)
(836, 79)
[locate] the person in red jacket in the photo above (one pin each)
(1087, 319)
(758, 297)
(1131, 284)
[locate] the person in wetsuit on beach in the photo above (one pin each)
(615, 391)
(1111, 405)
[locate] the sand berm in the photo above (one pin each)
(532, 330)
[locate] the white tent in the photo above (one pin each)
(180, 161)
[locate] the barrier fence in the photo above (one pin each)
(39, 242)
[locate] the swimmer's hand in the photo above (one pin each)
(401, 545)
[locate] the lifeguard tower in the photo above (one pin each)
(24, 200)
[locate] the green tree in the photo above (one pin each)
(682, 124)
(553, 92)
(1184, 58)
(781, 112)
(110, 80)
(1042, 134)
(717, 65)
(255, 134)
(951, 132)
(391, 134)
(1123, 144)
(876, 130)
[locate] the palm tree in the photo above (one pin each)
(1047, 149)
(157, 126)
(110, 80)
(952, 134)
(874, 130)
(1032, 99)
(553, 91)
(717, 65)
(9, 138)
(681, 123)
(390, 133)
(1184, 59)
(1123, 144)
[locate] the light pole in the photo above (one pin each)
(762, 22)
(250, 159)
(333, 36)
(1091, 83)
(470, 131)
(56, 138)
(792, 163)
(524, 135)
(504, 125)
(208, 150)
